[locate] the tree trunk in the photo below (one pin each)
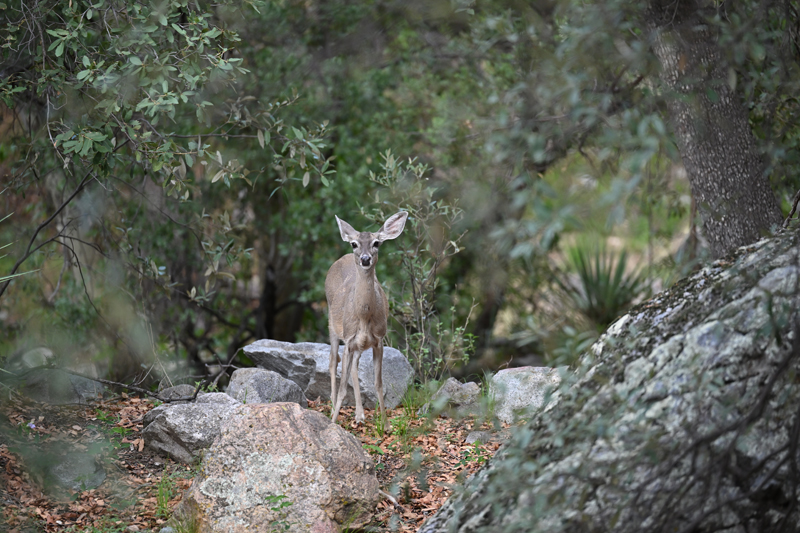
(725, 167)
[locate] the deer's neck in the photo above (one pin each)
(365, 297)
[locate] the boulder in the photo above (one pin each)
(516, 392)
(294, 361)
(183, 431)
(455, 398)
(256, 385)
(397, 374)
(278, 452)
(683, 416)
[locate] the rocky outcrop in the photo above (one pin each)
(257, 385)
(279, 452)
(682, 417)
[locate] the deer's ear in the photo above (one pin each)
(346, 230)
(393, 227)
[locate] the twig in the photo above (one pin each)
(41, 226)
(794, 208)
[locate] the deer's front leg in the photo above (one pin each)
(347, 361)
(357, 388)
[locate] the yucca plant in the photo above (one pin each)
(599, 284)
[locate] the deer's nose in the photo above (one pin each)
(366, 260)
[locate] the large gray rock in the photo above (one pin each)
(517, 392)
(183, 431)
(256, 385)
(397, 374)
(306, 363)
(275, 452)
(294, 361)
(682, 417)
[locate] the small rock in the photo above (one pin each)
(54, 386)
(178, 391)
(217, 397)
(456, 398)
(478, 436)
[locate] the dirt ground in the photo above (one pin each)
(419, 460)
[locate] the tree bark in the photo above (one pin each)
(723, 162)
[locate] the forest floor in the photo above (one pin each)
(420, 460)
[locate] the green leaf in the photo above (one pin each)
(135, 60)
(188, 159)
(306, 179)
(261, 138)
(60, 49)
(82, 75)
(162, 19)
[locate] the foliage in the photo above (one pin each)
(604, 288)
(433, 344)
(124, 110)
(208, 156)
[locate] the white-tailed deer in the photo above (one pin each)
(358, 309)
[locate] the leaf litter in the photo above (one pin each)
(418, 460)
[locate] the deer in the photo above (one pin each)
(358, 309)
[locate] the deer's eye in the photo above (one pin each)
(354, 244)
(376, 244)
